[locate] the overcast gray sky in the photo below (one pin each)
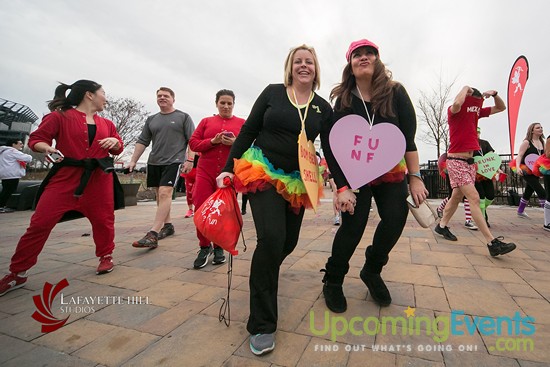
(132, 47)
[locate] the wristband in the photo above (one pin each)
(342, 189)
(417, 174)
(190, 161)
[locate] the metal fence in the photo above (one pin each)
(504, 191)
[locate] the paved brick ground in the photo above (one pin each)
(177, 322)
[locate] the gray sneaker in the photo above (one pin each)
(523, 215)
(470, 225)
(262, 343)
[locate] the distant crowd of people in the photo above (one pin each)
(261, 157)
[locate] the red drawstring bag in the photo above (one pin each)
(219, 219)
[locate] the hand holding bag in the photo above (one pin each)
(219, 219)
(424, 213)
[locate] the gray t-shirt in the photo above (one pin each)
(170, 134)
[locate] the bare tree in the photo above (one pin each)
(128, 115)
(433, 105)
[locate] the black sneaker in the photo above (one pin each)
(149, 240)
(377, 288)
(202, 258)
(445, 233)
(167, 230)
(497, 247)
(334, 297)
(219, 257)
(546, 227)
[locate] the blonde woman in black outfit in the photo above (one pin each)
(269, 172)
(367, 90)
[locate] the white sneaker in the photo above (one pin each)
(470, 225)
(336, 220)
(523, 215)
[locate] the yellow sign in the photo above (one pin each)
(309, 169)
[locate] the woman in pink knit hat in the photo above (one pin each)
(367, 90)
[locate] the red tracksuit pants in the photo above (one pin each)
(96, 204)
(205, 185)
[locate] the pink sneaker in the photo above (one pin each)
(10, 282)
(105, 265)
(189, 213)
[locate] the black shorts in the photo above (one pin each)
(162, 175)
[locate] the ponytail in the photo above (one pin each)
(78, 90)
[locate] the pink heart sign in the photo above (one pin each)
(365, 154)
(530, 160)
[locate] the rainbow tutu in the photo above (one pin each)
(254, 172)
(396, 174)
(542, 166)
(526, 170)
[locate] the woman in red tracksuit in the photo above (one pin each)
(83, 179)
(213, 139)
(189, 179)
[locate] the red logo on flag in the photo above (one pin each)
(516, 85)
(43, 313)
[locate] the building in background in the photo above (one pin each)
(16, 121)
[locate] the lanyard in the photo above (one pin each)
(539, 151)
(370, 120)
(304, 117)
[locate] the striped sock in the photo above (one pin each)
(467, 211)
(441, 206)
(522, 205)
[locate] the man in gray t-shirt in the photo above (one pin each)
(170, 131)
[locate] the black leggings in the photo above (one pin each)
(245, 200)
(392, 207)
(277, 230)
(486, 189)
(9, 186)
(532, 184)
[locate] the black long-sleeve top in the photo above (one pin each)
(274, 125)
(485, 147)
(404, 119)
